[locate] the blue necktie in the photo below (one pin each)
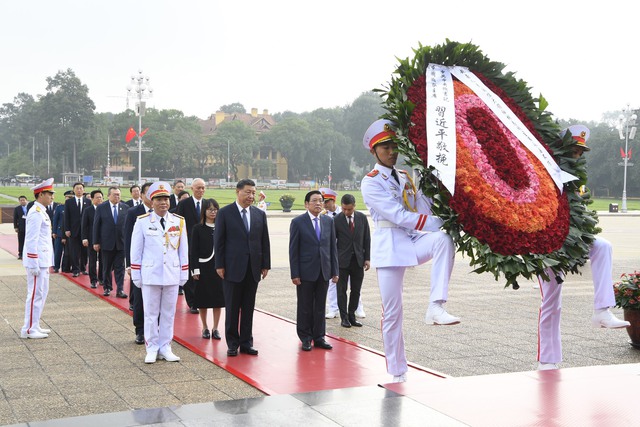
(115, 214)
(317, 227)
(244, 219)
(198, 210)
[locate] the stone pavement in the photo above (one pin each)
(90, 364)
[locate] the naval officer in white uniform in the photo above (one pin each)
(159, 265)
(37, 258)
(406, 234)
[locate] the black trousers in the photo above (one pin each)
(312, 299)
(138, 309)
(74, 245)
(240, 300)
(112, 261)
(356, 273)
(95, 268)
(21, 235)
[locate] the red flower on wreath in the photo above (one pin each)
(504, 196)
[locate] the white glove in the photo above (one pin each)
(433, 223)
(34, 271)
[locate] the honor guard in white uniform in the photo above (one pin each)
(37, 259)
(406, 234)
(331, 209)
(601, 259)
(159, 265)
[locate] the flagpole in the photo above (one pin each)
(140, 85)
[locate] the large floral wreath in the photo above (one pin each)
(506, 214)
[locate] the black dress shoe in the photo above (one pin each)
(354, 322)
(249, 350)
(121, 294)
(216, 335)
(56, 270)
(193, 310)
(345, 323)
(130, 307)
(323, 344)
(93, 285)
(86, 273)
(205, 334)
(106, 293)
(180, 291)
(232, 352)
(75, 274)
(306, 346)
(139, 339)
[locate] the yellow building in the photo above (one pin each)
(269, 163)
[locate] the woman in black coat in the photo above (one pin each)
(208, 285)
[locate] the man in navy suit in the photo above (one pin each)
(135, 196)
(243, 257)
(178, 186)
(108, 239)
(73, 208)
(135, 293)
(19, 222)
(313, 260)
(88, 215)
(190, 209)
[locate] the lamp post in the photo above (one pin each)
(139, 90)
(228, 162)
(627, 130)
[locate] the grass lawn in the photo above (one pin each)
(226, 196)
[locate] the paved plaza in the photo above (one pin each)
(90, 365)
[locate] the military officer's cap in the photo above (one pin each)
(379, 131)
(159, 189)
(328, 194)
(44, 186)
(68, 193)
(580, 133)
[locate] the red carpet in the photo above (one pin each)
(281, 367)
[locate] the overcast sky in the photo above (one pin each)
(298, 55)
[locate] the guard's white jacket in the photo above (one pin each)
(38, 247)
(396, 224)
(159, 257)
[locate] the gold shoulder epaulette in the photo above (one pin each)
(373, 173)
(144, 215)
(179, 216)
(38, 209)
(403, 171)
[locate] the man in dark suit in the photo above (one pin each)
(60, 249)
(354, 242)
(108, 239)
(135, 293)
(88, 216)
(190, 210)
(135, 196)
(73, 208)
(313, 260)
(178, 186)
(19, 222)
(243, 257)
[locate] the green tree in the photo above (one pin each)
(67, 116)
(240, 141)
(236, 107)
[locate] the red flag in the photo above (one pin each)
(130, 135)
(143, 132)
(622, 153)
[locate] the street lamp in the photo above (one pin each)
(627, 130)
(139, 90)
